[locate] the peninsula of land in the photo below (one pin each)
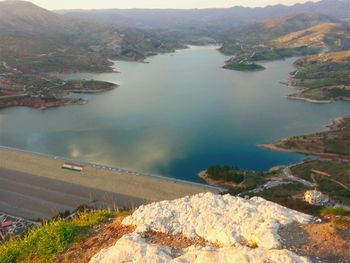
(333, 143)
(47, 92)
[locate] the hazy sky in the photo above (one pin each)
(98, 4)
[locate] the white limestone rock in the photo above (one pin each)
(231, 222)
(133, 248)
(239, 254)
(226, 220)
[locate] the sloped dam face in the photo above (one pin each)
(174, 116)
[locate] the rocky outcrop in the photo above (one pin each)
(236, 230)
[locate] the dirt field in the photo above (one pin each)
(324, 242)
(34, 186)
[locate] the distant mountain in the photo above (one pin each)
(269, 29)
(25, 17)
(208, 19)
(28, 30)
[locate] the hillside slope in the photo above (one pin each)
(25, 17)
(323, 36)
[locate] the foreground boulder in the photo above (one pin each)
(235, 230)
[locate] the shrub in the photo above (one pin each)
(334, 211)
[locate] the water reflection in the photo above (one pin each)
(174, 116)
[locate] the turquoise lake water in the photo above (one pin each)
(175, 116)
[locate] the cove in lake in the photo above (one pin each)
(175, 116)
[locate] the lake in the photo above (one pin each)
(175, 116)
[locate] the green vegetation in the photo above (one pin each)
(291, 195)
(88, 86)
(334, 179)
(286, 195)
(244, 66)
(339, 171)
(334, 211)
(317, 73)
(247, 179)
(325, 77)
(226, 173)
(45, 243)
(274, 53)
(334, 190)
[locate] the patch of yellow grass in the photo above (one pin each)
(336, 57)
(275, 22)
(312, 36)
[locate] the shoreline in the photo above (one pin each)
(35, 186)
(108, 167)
(293, 97)
(331, 156)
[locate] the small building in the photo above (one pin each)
(314, 197)
(72, 167)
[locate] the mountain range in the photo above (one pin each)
(221, 18)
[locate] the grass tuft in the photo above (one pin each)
(334, 211)
(45, 243)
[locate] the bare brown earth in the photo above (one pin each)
(324, 242)
(108, 234)
(177, 241)
(103, 237)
